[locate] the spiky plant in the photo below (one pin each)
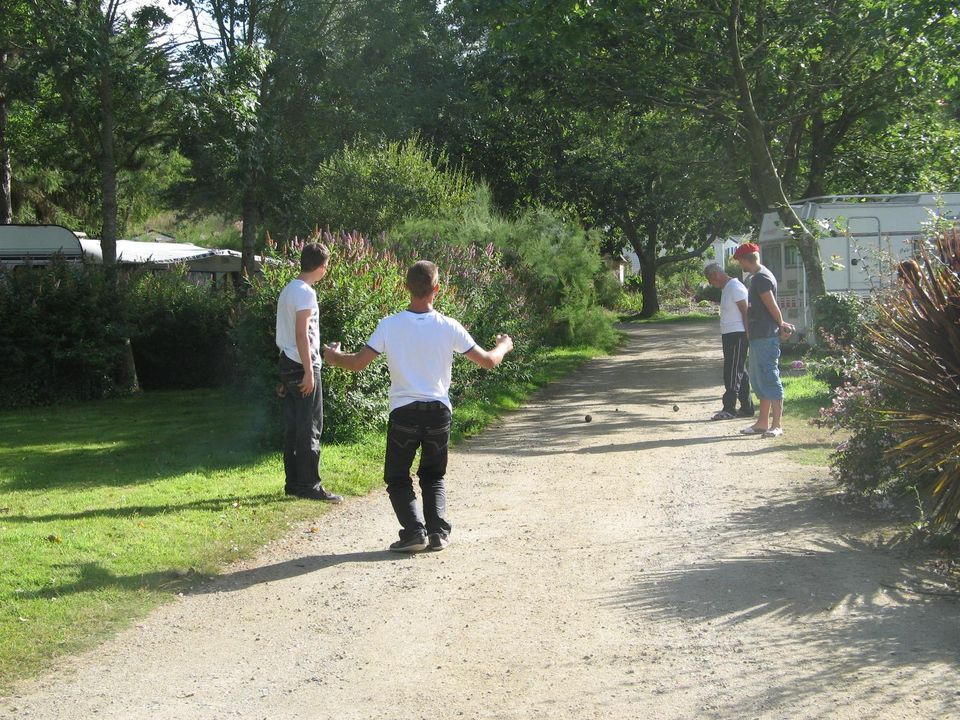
(917, 353)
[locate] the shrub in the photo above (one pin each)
(678, 283)
(362, 285)
(181, 331)
(372, 188)
(841, 327)
(63, 332)
(709, 294)
(555, 261)
(916, 352)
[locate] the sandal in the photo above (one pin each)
(753, 431)
(723, 415)
(773, 432)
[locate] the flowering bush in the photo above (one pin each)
(363, 284)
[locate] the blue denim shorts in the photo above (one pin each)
(765, 368)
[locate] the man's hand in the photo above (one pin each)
(506, 341)
(308, 383)
(331, 353)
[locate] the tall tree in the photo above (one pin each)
(785, 82)
(113, 89)
(286, 83)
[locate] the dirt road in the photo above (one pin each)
(648, 564)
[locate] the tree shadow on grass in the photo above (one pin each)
(207, 504)
(125, 441)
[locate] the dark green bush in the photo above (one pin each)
(63, 333)
(709, 293)
(181, 337)
(841, 322)
(372, 188)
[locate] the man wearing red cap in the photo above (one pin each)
(766, 327)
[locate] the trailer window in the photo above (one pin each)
(791, 256)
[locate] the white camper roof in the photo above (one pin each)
(165, 254)
(37, 244)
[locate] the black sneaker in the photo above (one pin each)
(315, 493)
(412, 544)
(437, 542)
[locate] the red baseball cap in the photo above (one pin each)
(744, 249)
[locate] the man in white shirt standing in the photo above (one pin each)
(419, 344)
(298, 338)
(733, 336)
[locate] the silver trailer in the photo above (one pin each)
(863, 237)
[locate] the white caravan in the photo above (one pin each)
(37, 244)
(863, 237)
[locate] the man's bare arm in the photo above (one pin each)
(489, 359)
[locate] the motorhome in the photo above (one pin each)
(862, 238)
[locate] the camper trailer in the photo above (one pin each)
(37, 244)
(863, 237)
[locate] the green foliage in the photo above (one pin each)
(680, 283)
(181, 339)
(364, 284)
(916, 352)
(841, 321)
(374, 187)
(556, 262)
(63, 333)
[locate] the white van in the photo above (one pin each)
(863, 237)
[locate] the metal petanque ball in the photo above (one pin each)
(587, 418)
(676, 408)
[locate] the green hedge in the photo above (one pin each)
(62, 332)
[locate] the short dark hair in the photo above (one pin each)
(422, 278)
(313, 256)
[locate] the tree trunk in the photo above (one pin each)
(651, 300)
(769, 185)
(249, 234)
(108, 172)
(6, 200)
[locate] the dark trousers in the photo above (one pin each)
(302, 425)
(735, 379)
(424, 425)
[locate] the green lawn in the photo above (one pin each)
(109, 508)
(804, 395)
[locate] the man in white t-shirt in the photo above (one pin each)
(419, 344)
(733, 336)
(298, 338)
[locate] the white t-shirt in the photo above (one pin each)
(419, 349)
(297, 296)
(730, 318)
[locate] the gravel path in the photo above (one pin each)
(648, 564)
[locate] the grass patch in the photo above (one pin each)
(664, 316)
(109, 508)
(804, 395)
